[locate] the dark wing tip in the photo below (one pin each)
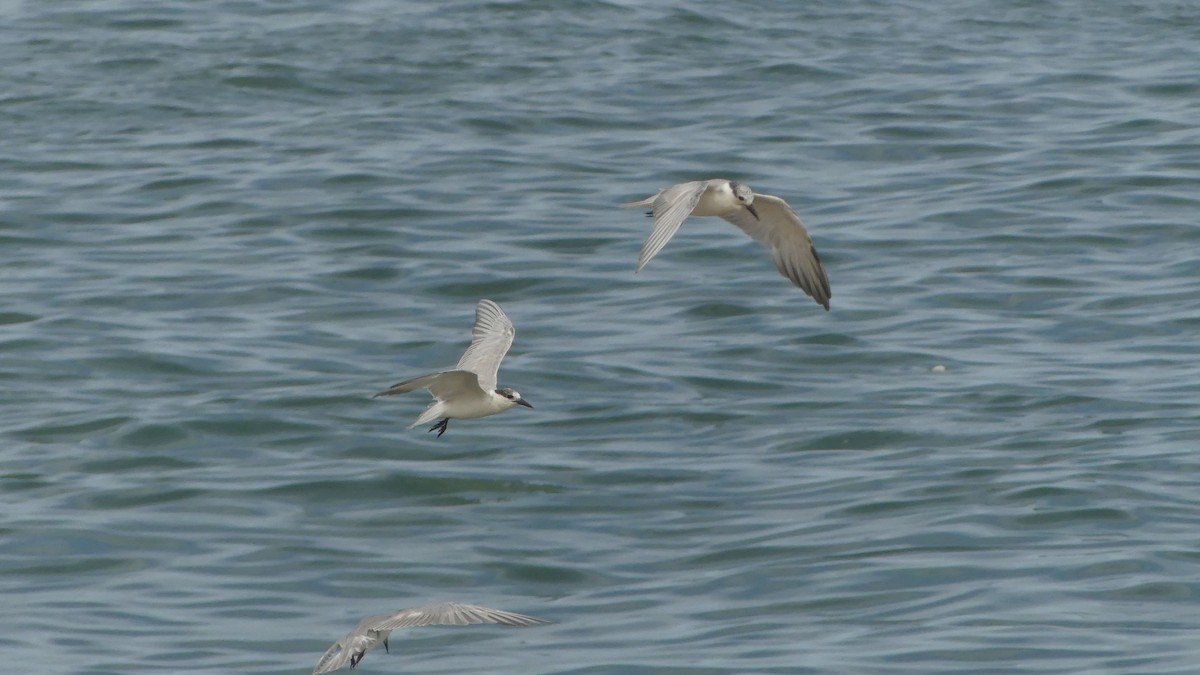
(814, 291)
(822, 281)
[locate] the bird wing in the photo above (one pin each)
(444, 385)
(410, 385)
(363, 638)
(335, 658)
(490, 339)
(452, 614)
(780, 230)
(671, 206)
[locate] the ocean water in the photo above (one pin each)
(224, 225)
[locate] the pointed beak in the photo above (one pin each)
(750, 208)
(523, 402)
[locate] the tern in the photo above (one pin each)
(374, 630)
(766, 218)
(470, 389)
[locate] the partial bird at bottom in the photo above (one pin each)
(373, 631)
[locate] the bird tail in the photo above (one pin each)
(435, 411)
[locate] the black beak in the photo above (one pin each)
(750, 208)
(523, 402)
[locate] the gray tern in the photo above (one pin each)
(469, 390)
(373, 631)
(766, 218)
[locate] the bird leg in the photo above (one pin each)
(385, 647)
(441, 426)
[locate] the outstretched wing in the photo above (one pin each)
(671, 206)
(490, 339)
(780, 230)
(409, 385)
(444, 385)
(452, 614)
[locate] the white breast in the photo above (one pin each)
(717, 200)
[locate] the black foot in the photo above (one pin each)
(441, 426)
(385, 647)
(649, 214)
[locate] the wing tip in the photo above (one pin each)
(821, 298)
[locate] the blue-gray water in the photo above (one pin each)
(223, 225)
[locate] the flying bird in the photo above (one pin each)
(766, 218)
(470, 389)
(373, 631)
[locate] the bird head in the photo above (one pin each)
(744, 195)
(513, 395)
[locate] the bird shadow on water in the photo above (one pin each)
(401, 485)
(401, 452)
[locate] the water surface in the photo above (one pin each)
(226, 224)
